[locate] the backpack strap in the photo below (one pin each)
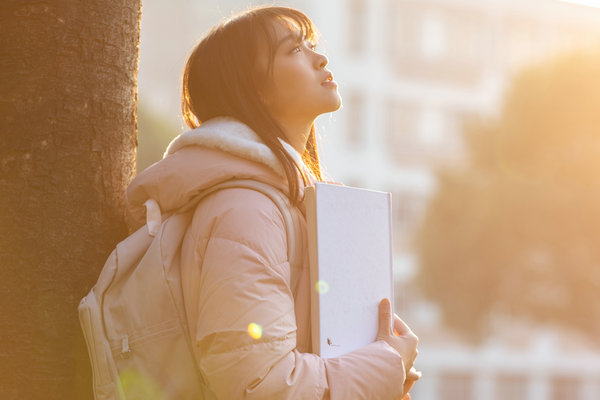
(278, 198)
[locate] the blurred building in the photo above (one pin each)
(411, 72)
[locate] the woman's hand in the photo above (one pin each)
(402, 339)
(411, 377)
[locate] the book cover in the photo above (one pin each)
(350, 250)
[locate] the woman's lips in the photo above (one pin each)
(329, 81)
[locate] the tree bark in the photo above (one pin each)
(68, 93)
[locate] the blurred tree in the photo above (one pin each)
(155, 134)
(515, 231)
(67, 151)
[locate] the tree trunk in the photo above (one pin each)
(68, 93)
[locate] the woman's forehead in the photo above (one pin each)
(285, 30)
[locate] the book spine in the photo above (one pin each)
(391, 250)
(311, 229)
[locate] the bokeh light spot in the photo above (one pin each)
(322, 287)
(254, 330)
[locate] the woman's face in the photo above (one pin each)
(300, 88)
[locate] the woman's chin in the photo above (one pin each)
(332, 104)
(335, 103)
(338, 104)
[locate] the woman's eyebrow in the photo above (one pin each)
(289, 37)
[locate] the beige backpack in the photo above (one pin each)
(134, 320)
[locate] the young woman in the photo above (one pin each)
(252, 89)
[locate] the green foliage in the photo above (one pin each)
(155, 132)
(515, 231)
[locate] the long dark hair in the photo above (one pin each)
(221, 79)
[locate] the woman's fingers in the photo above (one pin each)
(413, 375)
(407, 386)
(404, 342)
(401, 330)
(400, 326)
(385, 318)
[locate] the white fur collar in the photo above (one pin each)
(232, 136)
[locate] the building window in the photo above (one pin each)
(564, 388)
(456, 386)
(432, 126)
(418, 133)
(403, 129)
(408, 208)
(433, 36)
(404, 301)
(354, 110)
(396, 31)
(510, 387)
(357, 26)
(437, 43)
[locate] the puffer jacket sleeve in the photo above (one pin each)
(244, 281)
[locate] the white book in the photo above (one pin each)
(350, 250)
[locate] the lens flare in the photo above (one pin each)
(254, 330)
(322, 287)
(137, 385)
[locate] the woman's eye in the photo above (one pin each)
(308, 45)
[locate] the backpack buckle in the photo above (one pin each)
(125, 350)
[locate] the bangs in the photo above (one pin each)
(294, 19)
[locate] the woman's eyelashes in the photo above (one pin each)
(307, 44)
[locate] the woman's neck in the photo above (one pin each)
(296, 134)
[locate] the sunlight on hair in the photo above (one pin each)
(139, 386)
(322, 287)
(255, 331)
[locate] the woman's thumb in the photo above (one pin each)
(385, 318)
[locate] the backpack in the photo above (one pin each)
(133, 319)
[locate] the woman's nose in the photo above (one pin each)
(320, 60)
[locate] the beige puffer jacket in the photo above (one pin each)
(234, 273)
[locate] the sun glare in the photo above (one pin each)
(588, 3)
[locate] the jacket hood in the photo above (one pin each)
(219, 150)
